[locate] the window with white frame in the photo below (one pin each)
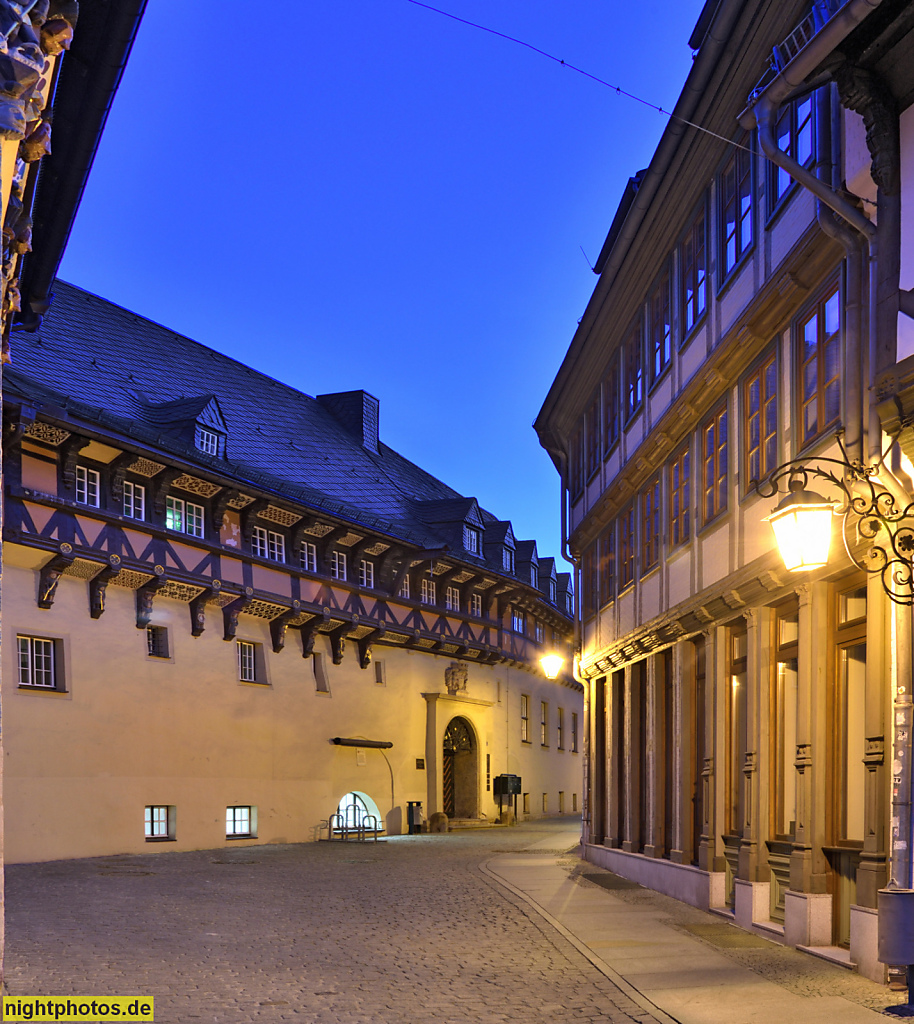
(552, 591)
(476, 604)
(307, 556)
(366, 573)
(268, 544)
(518, 620)
(338, 565)
(88, 486)
(540, 632)
(452, 599)
(404, 588)
(36, 662)
(471, 540)
(159, 822)
(206, 441)
(183, 516)
(239, 821)
(247, 661)
(507, 559)
(428, 593)
(134, 500)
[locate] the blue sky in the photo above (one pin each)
(367, 194)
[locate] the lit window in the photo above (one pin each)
(524, 718)
(268, 544)
(88, 489)
(760, 411)
(206, 440)
(660, 327)
(428, 594)
(544, 723)
(634, 369)
(679, 498)
(714, 460)
(338, 565)
(476, 604)
(404, 588)
(736, 206)
(134, 500)
(507, 559)
(650, 526)
(366, 574)
(247, 665)
(518, 620)
(159, 823)
(820, 367)
(471, 540)
(239, 821)
(183, 516)
(794, 133)
(36, 662)
(308, 556)
(452, 599)
(693, 295)
(157, 641)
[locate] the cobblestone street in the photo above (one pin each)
(407, 930)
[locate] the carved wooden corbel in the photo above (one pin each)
(249, 517)
(198, 605)
(338, 639)
(49, 575)
(325, 548)
(98, 586)
(220, 505)
(161, 485)
(231, 612)
(69, 455)
(280, 625)
(117, 471)
(17, 424)
(365, 645)
(145, 596)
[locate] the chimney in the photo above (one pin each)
(357, 411)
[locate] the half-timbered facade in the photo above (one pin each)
(739, 717)
(210, 576)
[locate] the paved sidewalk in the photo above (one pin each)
(640, 940)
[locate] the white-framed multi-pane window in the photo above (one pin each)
(134, 500)
(452, 599)
(338, 568)
(36, 662)
(206, 441)
(268, 544)
(518, 620)
(88, 486)
(429, 592)
(159, 822)
(183, 516)
(472, 541)
(307, 556)
(247, 661)
(366, 573)
(404, 588)
(239, 821)
(507, 559)
(539, 632)
(476, 604)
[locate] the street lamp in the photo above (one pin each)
(802, 525)
(552, 665)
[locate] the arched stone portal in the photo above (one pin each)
(460, 774)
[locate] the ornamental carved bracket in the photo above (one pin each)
(69, 455)
(365, 645)
(231, 612)
(309, 631)
(145, 597)
(338, 639)
(117, 471)
(98, 586)
(49, 575)
(198, 605)
(18, 424)
(161, 486)
(280, 625)
(249, 518)
(864, 92)
(455, 678)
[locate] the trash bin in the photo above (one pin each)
(414, 816)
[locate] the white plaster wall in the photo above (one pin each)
(133, 730)
(715, 549)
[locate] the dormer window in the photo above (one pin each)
(507, 559)
(552, 591)
(206, 440)
(471, 540)
(533, 576)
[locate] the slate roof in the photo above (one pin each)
(107, 365)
